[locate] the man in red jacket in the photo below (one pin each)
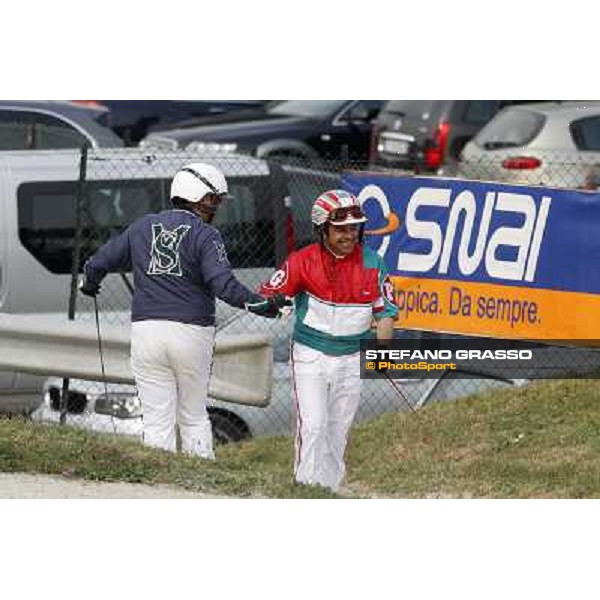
(339, 287)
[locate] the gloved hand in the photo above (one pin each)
(271, 307)
(88, 288)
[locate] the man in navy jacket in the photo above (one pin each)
(179, 266)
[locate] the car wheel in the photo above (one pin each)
(227, 427)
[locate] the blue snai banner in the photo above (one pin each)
(486, 258)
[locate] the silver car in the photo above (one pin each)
(547, 144)
(117, 409)
(50, 125)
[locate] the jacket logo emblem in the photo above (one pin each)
(221, 252)
(279, 278)
(388, 290)
(164, 254)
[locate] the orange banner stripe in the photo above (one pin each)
(496, 310)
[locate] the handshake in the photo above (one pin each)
(271, 307)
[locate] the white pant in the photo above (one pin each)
(171, 363)
(327, 394)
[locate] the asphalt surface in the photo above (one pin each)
(26, 486)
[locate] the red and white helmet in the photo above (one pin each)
(337, 207)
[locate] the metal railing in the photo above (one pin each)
(51, 345)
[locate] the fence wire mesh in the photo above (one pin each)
(548, 168)
(267, 215)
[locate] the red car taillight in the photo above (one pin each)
(434, 154)
(91, 103)
(522, 163)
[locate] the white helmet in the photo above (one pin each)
(193, 182)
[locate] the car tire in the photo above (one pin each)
(227, 427)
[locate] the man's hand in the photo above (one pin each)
(271, 307)
(88, 288)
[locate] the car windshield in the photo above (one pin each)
(306, 108)
(510, 128)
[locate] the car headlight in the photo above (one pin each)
(211, 147)
(119, 405)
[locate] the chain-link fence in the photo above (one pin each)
(266, 216)
(548, 168)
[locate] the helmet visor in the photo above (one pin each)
(347, 213)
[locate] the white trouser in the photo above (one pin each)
(171, 364)
(327, 394)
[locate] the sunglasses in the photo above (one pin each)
(341, 214)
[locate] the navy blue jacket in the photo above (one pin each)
(179, 266)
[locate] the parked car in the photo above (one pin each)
(231, 422)
(37, 125)
(301, 129)
(38, 207)
(549, 144)
(119, 410)
(131, 120)
(427, 136)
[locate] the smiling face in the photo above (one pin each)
(342, 239)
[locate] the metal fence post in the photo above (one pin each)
(79, 205)
(345, 154)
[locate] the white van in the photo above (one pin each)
(38, 200)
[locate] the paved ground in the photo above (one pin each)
(25, 485)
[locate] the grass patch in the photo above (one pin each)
(541, 441)
(260, 468)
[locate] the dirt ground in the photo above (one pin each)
(26, 485)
